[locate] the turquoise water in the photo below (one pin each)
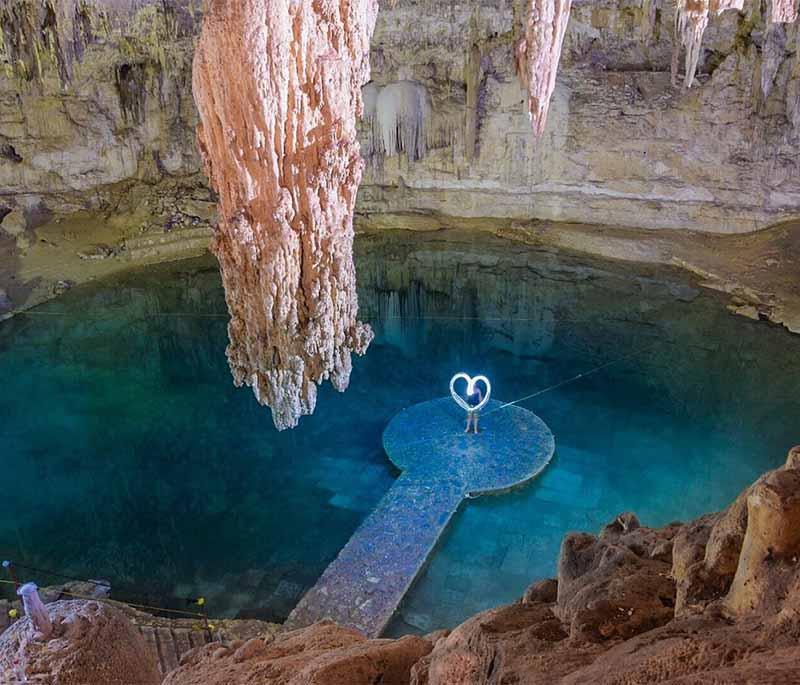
(128, 454)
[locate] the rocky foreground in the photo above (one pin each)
(716, 600)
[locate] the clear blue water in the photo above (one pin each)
(127, 453)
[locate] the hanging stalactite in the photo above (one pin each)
(538, 55)
(278, 87)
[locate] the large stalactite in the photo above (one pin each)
(278, 87)
(538, 55)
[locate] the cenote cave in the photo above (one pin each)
(412, 342)
(170, 479)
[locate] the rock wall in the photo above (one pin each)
(621, 146)
(94, 100)
(110, 108)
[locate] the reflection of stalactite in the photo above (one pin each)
(538, 55)
(279, 141)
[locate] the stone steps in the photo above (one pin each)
(168, 645)
(161, 246)
(170, 638)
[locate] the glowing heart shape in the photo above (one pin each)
(470, 389)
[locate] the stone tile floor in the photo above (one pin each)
(441, 466)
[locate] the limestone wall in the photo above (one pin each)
(98, 104)
(111, 107)
(622, 146)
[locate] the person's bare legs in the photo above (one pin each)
(475, 424)
(472, 420)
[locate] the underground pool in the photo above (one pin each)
(128, 455)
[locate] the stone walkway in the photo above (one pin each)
(441, 466)
(168, 645)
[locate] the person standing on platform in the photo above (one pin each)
(473, 400)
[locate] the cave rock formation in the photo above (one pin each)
(538, 55)
(278, 88)
(538, 52)
(691, 20)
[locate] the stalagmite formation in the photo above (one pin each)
(278, 87)
(538, 54)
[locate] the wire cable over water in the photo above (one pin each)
(144, 607)
(567, 381)
(637, 353)
(12, 566)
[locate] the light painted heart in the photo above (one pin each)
(470, 389)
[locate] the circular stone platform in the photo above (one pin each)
(441, 466)
(427, 442)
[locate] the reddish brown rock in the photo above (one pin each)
(278, 89)
(515, 644)
(611, 586)
(322, 654)
(710, 551)
(793, 458)
(543, 592)
(768, 572)
(608, 620)
(688, 563)
(693, 651)
(91, 644)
